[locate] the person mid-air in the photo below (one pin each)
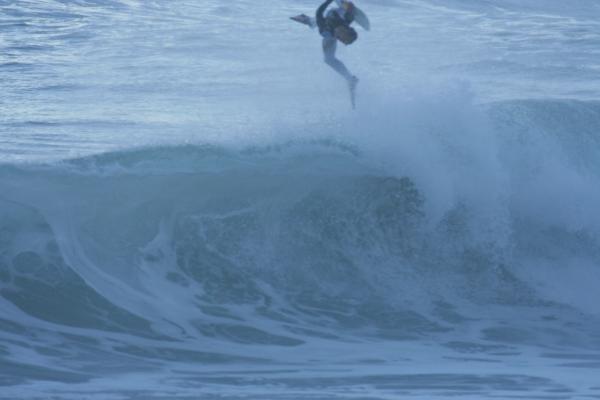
(333, 26)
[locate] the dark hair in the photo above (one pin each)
(349, 32)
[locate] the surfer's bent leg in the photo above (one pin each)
(329, 47)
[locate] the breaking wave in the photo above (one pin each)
(279, 243)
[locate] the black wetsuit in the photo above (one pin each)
(327, 24)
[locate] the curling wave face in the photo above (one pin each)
(297, 234)
(199, 255)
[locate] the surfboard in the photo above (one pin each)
(361, 19)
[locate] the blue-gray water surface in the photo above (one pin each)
(190, 208)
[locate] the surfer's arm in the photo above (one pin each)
(320, 11)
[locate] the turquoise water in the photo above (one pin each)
(190, 209)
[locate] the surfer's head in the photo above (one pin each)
(348, 6)
(345, 34)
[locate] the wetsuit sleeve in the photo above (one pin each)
(320, 16)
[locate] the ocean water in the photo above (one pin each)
(190, 208)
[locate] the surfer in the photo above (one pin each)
(334, 26)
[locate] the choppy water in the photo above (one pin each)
(189, 208)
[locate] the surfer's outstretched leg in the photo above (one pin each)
(329, 47)
(305, 19)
